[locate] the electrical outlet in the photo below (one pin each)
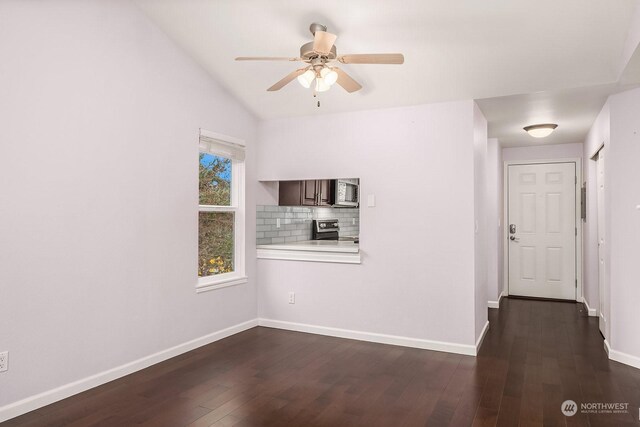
(292, 298)
(4, 361)
(277, 222)
(353, 221)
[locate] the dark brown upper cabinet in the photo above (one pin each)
(290, 193)
(305, 193)
(325, 188)
(310, 193)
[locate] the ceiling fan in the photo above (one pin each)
(321, 55)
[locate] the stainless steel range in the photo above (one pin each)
(324, 229)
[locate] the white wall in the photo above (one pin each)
(98, 177)
(628, 67)
(616, 127)
(542, 152)
(623, 217)
(417, 275)
(481, 206)
(494, 220)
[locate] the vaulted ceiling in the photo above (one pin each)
(454, 50)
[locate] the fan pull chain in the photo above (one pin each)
(315, 95)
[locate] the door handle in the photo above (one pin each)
(513, 238)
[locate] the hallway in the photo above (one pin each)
(539, 354)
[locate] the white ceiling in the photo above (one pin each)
(574, 110)
(462, 49)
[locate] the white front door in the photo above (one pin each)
(602, 312)
(542, 230)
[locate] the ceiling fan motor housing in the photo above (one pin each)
(307, 52)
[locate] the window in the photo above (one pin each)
(221, 212)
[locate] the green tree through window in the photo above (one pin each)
(215, 234)
(215, 180)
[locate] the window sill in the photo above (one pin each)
(221, 283)
(314, 256)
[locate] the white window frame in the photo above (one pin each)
(226, 146)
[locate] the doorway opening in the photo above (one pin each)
(543, 256)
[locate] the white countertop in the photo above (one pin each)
(315, 246)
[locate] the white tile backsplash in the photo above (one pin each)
(295, 222)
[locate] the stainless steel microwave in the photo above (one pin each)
(347, 193)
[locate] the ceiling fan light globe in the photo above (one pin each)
(330, 77)
(306, 78)
(305, 84)
(321, 85)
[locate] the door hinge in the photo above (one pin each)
(576, 231)
(576, 179)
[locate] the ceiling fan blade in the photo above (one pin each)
(372, 58)
(288, 79)
(266, 58)
(323, 42)
(346, 81)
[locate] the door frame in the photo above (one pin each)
(602, 289)
(505, 218)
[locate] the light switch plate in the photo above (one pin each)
(371, 200)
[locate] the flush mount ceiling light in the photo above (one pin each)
(540, 131)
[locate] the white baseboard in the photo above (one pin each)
(621, 357)
(625, 358)
(590, 311)
(495, 304)
(448, 347)
(481, 337)
(34, 402)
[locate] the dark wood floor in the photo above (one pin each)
(536, 355)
